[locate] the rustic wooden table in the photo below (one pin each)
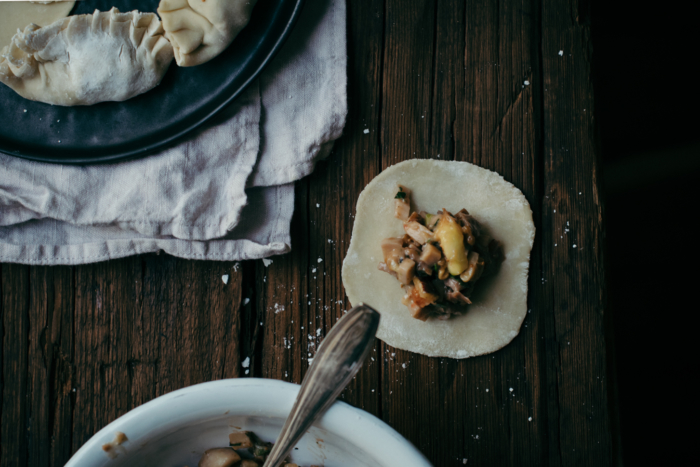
(503, 84)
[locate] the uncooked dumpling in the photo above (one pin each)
(85, 59)
(201, 29)
(18, 15)
(499, 304)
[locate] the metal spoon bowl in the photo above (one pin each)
(338, 359)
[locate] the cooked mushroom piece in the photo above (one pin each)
(248, 463)
(442, 269)
(402, 203)
(413, 307)
(475, 269)
(431, 254)
(454, 293)
(422, 293)
(470, 225)
(392, 250)
(412, 251)
(219, 457)
(240, 440)
(405, 271)
(420, 313)
(418, 232)
(423, 269)
(385, 268)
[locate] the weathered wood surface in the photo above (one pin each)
(460, 80)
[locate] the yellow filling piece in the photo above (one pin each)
(449, 234)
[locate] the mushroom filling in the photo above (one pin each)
(439, 259)
(245, 450)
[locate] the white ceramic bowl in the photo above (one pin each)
(175, 429)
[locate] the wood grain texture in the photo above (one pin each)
(84, 345)
(474, 81)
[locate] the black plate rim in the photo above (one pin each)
(162, 143)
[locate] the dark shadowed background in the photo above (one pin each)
(647, 101)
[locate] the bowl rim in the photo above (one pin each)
(359, 428)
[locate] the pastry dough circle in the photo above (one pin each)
(500, 302)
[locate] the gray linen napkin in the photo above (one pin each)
(191, 200)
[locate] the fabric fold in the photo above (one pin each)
(225, 193)
(193, 191)
(263, 232)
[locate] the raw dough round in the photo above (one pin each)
(18, 15)
(499, 303)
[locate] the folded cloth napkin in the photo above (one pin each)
(226, 193)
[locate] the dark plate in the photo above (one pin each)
(186, 97)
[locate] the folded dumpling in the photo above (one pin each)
(85, 59)
(201, 29)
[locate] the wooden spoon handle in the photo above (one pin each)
(338, 359)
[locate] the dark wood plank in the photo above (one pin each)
(309, 290)
(50, 375)
(149, 325)
(13, 387)
(572, 239)
(407, 80)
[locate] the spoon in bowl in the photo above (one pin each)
(338, 359)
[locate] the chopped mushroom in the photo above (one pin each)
(240, 440)
(392, 249)
(476, 267)
(418, 232)
(405, 271)
(402, 203)
(219, 457)
(422, 293)
(442, 269)
(249, 444)
(412, 251)
(470, 226)
(439, 259)
(431, 254)
(454, 294)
